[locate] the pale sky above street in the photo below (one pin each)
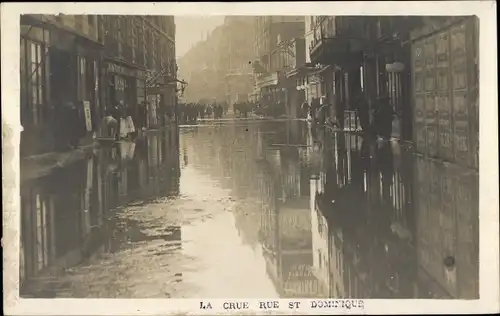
(191, 29)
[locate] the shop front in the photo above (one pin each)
(125, 84)
(58, 67)
(273, 90)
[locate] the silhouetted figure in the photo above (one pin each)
(201, 110)
(209, 111)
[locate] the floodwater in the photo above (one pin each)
(251, 209)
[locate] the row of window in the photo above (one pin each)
(38, 76)
(32, 81)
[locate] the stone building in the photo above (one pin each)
(218, 68)
(191, 69)
(273, 36)
(60, 61)
(240, 53)
(93, 62)
(425, 68)
(139, 63)
(203, 68)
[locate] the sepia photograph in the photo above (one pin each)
(250, 161)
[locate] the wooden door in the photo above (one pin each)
(443, 96)
(460, 87)
(431, 125)
(419, 133)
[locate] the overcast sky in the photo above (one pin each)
(191, 29)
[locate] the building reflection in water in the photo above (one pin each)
(339, 217)
(384, 221)
(267, 171)
(333, 215)
(64, 215)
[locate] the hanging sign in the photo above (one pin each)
(88, 117)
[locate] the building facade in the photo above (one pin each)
(218, 68)
(192, 67)
(274, 37)
(92, 62)
(240, 53)
(203, 68)
(424, 68)
(60, 61)
(140, 64)
(445, 89)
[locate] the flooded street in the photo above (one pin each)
(251, 209)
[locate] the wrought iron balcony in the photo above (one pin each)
(325, 47)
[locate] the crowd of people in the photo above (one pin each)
(270, 109)
(191, 112)
(122, 121)
(243, 108)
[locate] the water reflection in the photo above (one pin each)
(261, 207)
(339, 217)
(65, 217)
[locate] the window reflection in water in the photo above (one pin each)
(64, 215)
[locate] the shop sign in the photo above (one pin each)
(117, 69)
(157, 90)
(88, 117)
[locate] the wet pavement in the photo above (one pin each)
(251, 209)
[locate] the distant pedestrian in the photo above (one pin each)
(201, 110)
(209, 111)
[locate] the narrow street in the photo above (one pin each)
(251, 209)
